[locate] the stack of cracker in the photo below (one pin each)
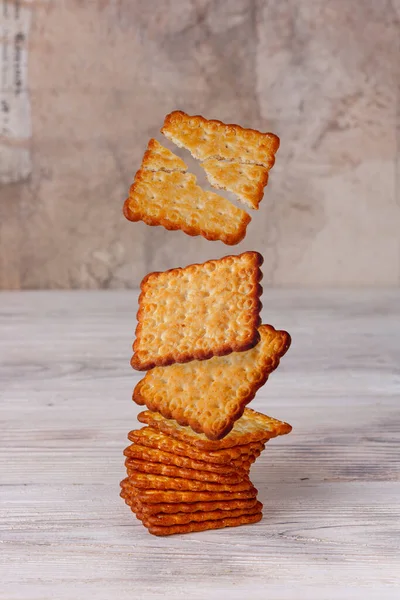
(200, 339)
(179, 481)
(200, 336)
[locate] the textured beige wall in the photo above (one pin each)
(322, 74)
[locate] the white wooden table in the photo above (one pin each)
(330, 489)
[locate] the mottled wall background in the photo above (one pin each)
(322, 74)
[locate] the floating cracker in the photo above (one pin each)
(156, 468)
(164, 194)
(210, 396)
(144, 453)
(200, 311)
(160, 482)
(153, 438)
(205, 525)
(213, 139)
(251, 427)
(184, 507)
(247, 182)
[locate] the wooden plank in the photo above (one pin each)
(331, 489)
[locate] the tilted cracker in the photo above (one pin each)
(205, 525)
(164, 194)
(251, 427)
(213, 139)
(246, 181)
(199, 311)
(185, 507)
(157, 468)
(144, 453)
(210, 396)
(153, 438)
(161, 482)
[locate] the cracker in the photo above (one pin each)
(144, 453)
(159, 158)
(251, 427)
(157, 468)
(200, 311)
(205, 525)
(247, 182)
(154, 496)
(213, 139)
(211, 395)
(164, 194)
(148, 481)
(153, 438)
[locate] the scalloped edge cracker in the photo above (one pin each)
(199, 311)
(164, 194)
(211, 395)
(206, 139)
(251, 427)
(246, 181)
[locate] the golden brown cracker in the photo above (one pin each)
(153, 438)
(197, 312)
(210, 396)
(246, 181)
(251, 427)
(205, 525)
(148, 481)
(213, 139)
(159, 158)
(164, 194)
(151, 496)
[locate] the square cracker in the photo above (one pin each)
(247, 182)
(251, 427)
(210, 396)
(196, 517)
(213, 139)
(164, 194)
(204, 525)
(148, 481)
(154, 496)
(154, 438)
(199, 311)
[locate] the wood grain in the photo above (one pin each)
(331, 489)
